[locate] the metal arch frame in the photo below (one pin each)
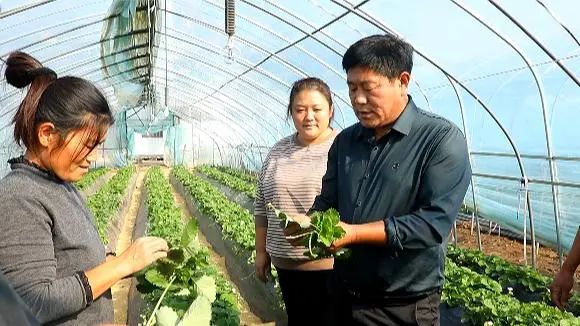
(266, 52)
(140, 46)
(541, 3)
(184, 115)
(535, 40)
(144, 66)
(228, 119)
(208, 86)
(249, 81)
(210, 135)
(61, 34)
(189, 117)
(290, 44)
(202, 23)
(23, 8)
(466, 134)
(96, 43)
(321, 31)
(88, 73)
(48, 28)
(548, 135)
(241, 105)
(375, 22)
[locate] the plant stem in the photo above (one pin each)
(150, 320)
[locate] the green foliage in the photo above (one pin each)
(499, 269)
(240, 174)
(482, 300)
(187, 262)
(239, 184)
(236, 222)
(90, 178)
(322, 231)
(105, 203)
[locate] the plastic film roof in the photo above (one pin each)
(506, 72)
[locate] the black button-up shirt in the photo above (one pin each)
(414, 179)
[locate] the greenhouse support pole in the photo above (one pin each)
(466, 135)
(126, 138)
(548, 136)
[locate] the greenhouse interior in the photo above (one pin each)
(206, 164)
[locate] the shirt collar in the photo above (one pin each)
(403, 124)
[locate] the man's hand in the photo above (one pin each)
(561, 287)
(348, 238)
(295, 233)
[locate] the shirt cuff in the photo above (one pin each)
(391, 230)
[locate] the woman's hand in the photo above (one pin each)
(142, 253)
(263, 266)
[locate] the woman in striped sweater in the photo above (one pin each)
(290, 179)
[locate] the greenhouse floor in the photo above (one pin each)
(121, 291)
(510, 250)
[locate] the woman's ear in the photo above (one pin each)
(46, 135)
(331, 113)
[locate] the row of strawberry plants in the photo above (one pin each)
(105, 203)
(241, 174)
(187, 268)
(525, 282)
(236, 222)
(235, 183)
(506, 273)
(90, 178)
(483, 303)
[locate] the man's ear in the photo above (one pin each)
(405, 78)
(46, 135)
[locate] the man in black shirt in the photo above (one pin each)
(398, 178)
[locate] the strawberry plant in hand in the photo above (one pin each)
(318, 234)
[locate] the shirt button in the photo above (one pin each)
(366, 176)
(375, 148)
(358, 203)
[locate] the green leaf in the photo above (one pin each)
(176, 255)
(166, 316)
(198, 314)
(189, 233)
(154, 277)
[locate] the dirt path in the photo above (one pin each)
(121, 289)
(246, 316)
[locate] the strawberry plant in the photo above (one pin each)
(320, 232)
(248, 188)
(244, 175)
(236, 222)
(174, 282)
(483, 302)
(506, 273)
(90, 178)
(105, 203)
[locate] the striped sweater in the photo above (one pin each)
(290, 179)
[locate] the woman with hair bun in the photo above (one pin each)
(50, 250)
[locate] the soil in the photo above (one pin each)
(120, 290)
(511, 250)
(246, 316)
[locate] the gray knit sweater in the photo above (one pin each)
(47, 234)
